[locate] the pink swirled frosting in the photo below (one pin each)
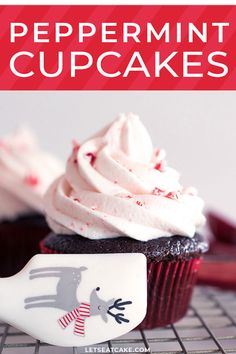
(116, 184)
(25, 174)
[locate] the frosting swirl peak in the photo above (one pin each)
(117, 184)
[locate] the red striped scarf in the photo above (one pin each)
(79, 314)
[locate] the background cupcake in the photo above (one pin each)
(25, 174)
(119, 195)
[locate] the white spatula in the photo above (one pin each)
(76, 300)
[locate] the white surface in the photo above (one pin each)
(125, 280)
(197, 129)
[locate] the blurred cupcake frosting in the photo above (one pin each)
(25, 174)
(117, 184)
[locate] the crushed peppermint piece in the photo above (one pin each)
(172, 195)
(160, 166)
(139, 203)
(92, 157)
(31, 180)
(77, 200)
(75, 161)
(160, 155)
(115, 181)
(157, 191)
(93, 207)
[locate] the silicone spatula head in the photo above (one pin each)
(76, 300)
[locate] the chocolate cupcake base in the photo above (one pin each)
(172, 265)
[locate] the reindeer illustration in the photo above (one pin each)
(66, 298)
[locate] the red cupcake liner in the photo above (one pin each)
(169, 290)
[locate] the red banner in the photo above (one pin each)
(118, 47)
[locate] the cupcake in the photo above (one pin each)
(119, 195)
(25, 174)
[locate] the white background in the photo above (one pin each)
(197, 129)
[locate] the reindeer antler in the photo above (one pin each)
(119, 305)
(119, 317)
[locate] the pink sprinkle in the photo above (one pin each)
(130, 170)
(92, 157)
(115, 181)
(93, 207)
(129, 196)
(31, 180)
(81, 229)
(75, 161)
(77, 200)
(87, 223)
(139, 203)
